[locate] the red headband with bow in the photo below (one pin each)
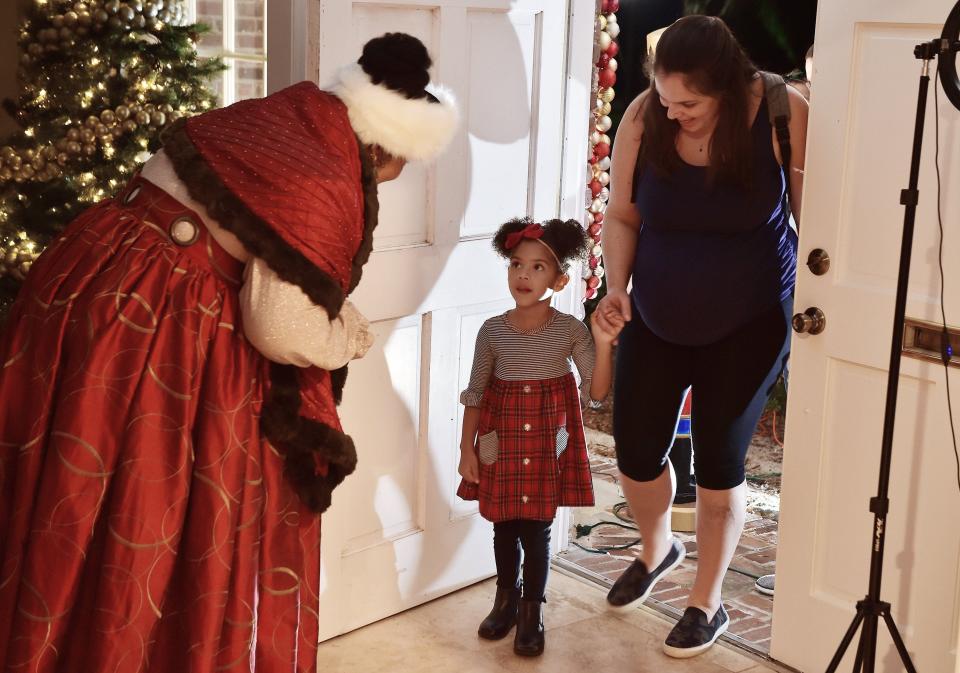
(532, 231)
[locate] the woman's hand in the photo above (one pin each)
(605, 331)
(611, 314)
(469, 467)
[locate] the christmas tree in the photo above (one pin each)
(100, 79)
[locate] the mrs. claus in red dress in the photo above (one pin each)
(168, 428)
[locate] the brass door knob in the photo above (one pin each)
(818, 261)
(811, 321)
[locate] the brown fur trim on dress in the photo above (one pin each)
(257, 237)
(302, 440)
(371, 214)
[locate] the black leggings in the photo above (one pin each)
(534, 537)
(731, 381)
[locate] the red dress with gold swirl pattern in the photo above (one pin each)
(148, 520)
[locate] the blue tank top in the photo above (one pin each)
(709, 259)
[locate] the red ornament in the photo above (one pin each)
(598, 218)
(594, 261)
(607, 78)
(591, 293)
(595, 187)
(612, 6)
(601, 150)
(605, 7)
(593, 282)
(603, 61)
(593, 229)
(593, 158)
(613, 50)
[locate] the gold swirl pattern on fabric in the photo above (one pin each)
(156, 530)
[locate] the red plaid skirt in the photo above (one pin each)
(532, 452)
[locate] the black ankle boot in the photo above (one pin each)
(503, 615)
(529, 639)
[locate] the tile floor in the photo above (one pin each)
(440, 637)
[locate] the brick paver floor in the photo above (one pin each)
(750, 611)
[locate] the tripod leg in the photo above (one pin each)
(845, 643)
(870, 643)
(898, 641)
(858, 661)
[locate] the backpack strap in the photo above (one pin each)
(778, 110)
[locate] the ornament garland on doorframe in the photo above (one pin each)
(605, 50)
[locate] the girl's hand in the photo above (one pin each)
(469, 467)
(610, 316)
(606, 330)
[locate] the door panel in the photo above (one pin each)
(858, 149)
(396, 535)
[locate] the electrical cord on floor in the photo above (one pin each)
(946, 351)
(582, 530)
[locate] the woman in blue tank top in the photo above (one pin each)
(698, 226)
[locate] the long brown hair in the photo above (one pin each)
(705, 52)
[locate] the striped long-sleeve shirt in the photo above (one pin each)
(514, 355)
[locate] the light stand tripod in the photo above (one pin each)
(871, 608)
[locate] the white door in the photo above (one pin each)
(860, 135)
(396, 535)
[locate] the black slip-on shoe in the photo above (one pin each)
(636, 583)
(693, 634)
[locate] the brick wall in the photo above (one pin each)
(249, 32)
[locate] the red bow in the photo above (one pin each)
(531, 231)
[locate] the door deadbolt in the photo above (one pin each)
(818, 261)
(811, 321)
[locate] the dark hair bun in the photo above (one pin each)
(399, 61)
(567, 238)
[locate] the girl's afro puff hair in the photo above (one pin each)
(567, 238)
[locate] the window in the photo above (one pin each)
(238, 30)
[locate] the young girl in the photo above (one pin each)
(523, 452)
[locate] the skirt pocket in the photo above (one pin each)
(488, 448)
(562, 438)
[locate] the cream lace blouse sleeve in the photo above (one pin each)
(281, 322)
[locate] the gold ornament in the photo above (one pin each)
(74, 147)
(87, 136)
(92, 121)
(158, 119)
(129, 126)
(63, 158)
(89, 150)
(108, 117)
(605, 109)
(607, 95)
(143, 118)
(73, 134)
(123, 112)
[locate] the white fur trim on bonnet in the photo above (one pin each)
(416, 129)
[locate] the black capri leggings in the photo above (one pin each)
(731, 381)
